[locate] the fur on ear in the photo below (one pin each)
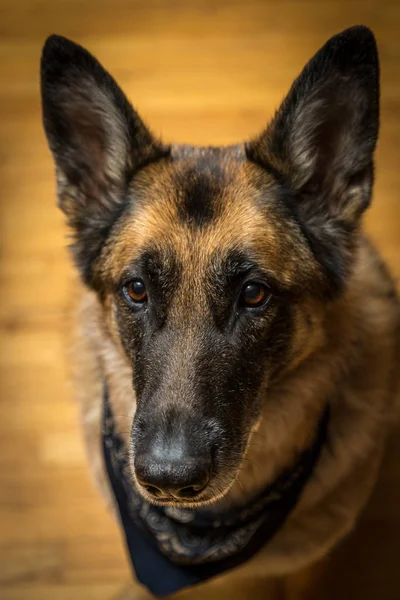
(320, 144)
(98, 142)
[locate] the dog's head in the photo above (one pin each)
(214, 266)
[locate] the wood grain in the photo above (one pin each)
(207, 72)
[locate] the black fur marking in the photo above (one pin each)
(160, 273)
(197, 206)
(200, 188)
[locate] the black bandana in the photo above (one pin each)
(172, 548)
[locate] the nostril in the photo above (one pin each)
(189, 492)
(153, 490)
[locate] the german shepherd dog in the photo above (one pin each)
(230, 299)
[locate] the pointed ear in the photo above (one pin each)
(97, 140)
(321, 142)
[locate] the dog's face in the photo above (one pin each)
(214, 266)
(203, 292)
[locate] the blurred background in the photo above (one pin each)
(202, 72)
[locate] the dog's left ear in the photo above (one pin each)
(321, 141)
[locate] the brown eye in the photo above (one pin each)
(135, 291)
(254, 294)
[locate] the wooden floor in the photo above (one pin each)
(208, 72)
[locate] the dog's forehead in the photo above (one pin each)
(205, 204)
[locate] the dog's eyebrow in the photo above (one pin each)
(159, 268)
(233, 268)
(230, 269)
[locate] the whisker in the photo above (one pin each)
(240, 483)
(124, 416)
(262, 436)
(252, 462)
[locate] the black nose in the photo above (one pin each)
(181, 477)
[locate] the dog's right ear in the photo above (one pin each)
(98, 142)
(322, 139)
